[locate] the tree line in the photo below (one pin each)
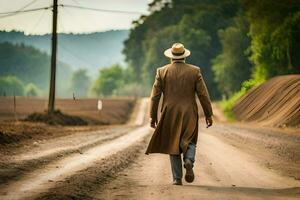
(237, 43)
(25, 71)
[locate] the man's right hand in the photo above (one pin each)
(208, 121)
(153, 123)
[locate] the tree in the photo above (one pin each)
(109, 79)
(275, 30)
(31, 90)
(232, 66)
(194, 23)
(80, 83)
(11, 85)
(131, 89)
(32, 66)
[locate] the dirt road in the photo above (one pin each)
(234, 161)
(28, 174)
(222, 171)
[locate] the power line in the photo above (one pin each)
(77, 19)
(39, 21)
(12, 13)
(101, 10)
(22, 8)
(7, 14)
(83, 61)
(78, 58)
(27, 5)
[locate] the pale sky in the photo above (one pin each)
(70, 19)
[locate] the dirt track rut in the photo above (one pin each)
(223, 171)
(233, 162)
(51, 168)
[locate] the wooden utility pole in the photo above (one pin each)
(51, 101)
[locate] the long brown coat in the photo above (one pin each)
(178, 124)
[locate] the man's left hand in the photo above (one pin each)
(153, 123)
(209, 121)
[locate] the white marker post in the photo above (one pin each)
(99, 106)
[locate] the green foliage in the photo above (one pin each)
(31, 90)
(231, 40)
(118, 81)
(82, 50)
(11, 85)
(194, 23)
(109, 79)
(275, 33)
(80, 83)
(228, 104)
(32, 66)
(232, 66)
(132, 89)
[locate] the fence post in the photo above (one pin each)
(15, 107)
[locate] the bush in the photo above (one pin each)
(11, 85)
(31, 90)
(227, 105)
(80, 83)
(132, 89)
(109, 79)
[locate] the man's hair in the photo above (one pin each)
(178, 59)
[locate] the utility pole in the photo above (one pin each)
(51, 101)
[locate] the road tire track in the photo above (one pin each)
(14, 170)
(87, 183)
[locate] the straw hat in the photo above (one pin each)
(177, 51)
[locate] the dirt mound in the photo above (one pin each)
(56, 118)
(274, 103)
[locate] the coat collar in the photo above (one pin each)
(177, 61)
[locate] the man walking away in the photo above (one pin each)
(176, 132)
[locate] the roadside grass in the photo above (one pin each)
(227, 105)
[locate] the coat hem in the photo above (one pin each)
(163, 152)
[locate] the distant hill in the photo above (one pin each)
(30, 65)
(89, 51)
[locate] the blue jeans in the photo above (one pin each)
(176, 162)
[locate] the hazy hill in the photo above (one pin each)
(30, 65)
(89, 51)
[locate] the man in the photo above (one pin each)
(177, 130)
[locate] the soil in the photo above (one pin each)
(114, 110)
(56, 118)
(275, 103)
(19, 133)
(233, 161)
(38, 168)
(224, 170)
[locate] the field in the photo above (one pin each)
(114, 111)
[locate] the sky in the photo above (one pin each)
(71, 19)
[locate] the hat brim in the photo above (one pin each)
(168, 53)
